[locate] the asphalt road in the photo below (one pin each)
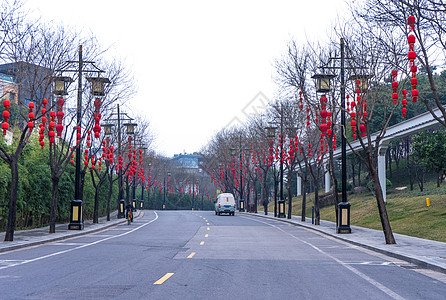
(198, 255)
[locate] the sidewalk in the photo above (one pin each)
(424, 253)
(27, 238)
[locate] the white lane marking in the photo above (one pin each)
(375, 283)
(80, 247)
(67, 244)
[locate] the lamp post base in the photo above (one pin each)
(121, 211)
(343, 225)
(76, 220)
(242, 205)
(281, 213)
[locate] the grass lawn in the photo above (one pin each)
(407, 211)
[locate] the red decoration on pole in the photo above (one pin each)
(51, 125)
(5, 125)
(412, 55)
(301, 106)
(60, 114)
(31, 116)
(404, 102)
(97, 117)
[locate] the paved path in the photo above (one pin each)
(425, 253)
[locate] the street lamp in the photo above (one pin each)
(107, 128)
(242, 201)
(118, 117)
(271, 134)
(97, 85)
(322, 82)
(142, 152)
(60, 88)
(164, 204)
(130, 128)
(343, 218)
(61, 84)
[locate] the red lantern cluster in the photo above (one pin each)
(412, 56)
(120, 162)
(43, 124)
(333, 142)
(301, 105)
(6, 115)
(78, 135)
(31, 116)
(323, 114)
(97, 117)
(353, 118)
(72, 157)
(394, 87)
(51, 125)
(88, 138)
(86, 157)
(60, 114)
(404, 102)
(308, 117)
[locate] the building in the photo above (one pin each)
(33, 82)
(188, 161)
(8, 88)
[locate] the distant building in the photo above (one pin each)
(32, 82)
(8, 88)
(189, 161)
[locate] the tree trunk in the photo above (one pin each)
(110, 192)
(264, 194)
(96, 207)
(54, 197)
(382, 209)
(353, 174)
(317, 215)
(9, 235)
(304, 198)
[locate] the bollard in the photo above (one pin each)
(428, 202)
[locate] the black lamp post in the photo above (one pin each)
(60, 88)
(120, 116)
(281, 202)
(323, 85)
(271, 134)
(130, 130)
(143, 153)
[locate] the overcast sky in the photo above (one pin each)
(198, 65)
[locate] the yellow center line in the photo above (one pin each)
(209, 228)
(207, 224)
(202, 243)
(206, 235)
(164, 278)
(191, 255)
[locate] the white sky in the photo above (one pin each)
(197, 64)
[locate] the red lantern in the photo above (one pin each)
(363, 129)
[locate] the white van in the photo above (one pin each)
(225, 204)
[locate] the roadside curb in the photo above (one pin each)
(402, 256)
